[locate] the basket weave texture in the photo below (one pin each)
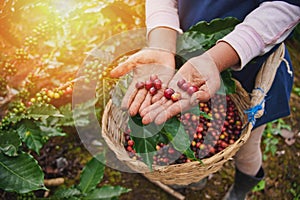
(115, 120)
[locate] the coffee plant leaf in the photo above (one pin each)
(30, 134)
(48, 131)
(215, 26)
(145, 138)
(92, 174)
(196, 111)
(43, 111)
(67, 193)
(20, 174)
(176, 134)
(229, 84)
(107, 192)
(10, 142)
(204, 35)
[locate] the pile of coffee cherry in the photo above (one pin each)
(154, 84)
(209, 133)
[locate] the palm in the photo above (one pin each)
(144, 64)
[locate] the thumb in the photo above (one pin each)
(123, 68)
(202, 95)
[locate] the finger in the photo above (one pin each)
(137, 102)
(153, 106)
(146, 102)
(202, 95)
(129, 97)
(171, 111)
(150, 116)
(123, 68)
(158, 95)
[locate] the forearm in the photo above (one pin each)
(262, 29)
(224, 56)
(162, 24)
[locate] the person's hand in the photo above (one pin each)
(145, 63)
(201, 72)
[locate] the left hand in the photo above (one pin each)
(201, 72)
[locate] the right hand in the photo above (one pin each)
(145, 63)
(200, 71)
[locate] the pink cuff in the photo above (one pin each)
(162, 14)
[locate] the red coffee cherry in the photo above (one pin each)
(168, 93)
(148, 84)
(180, 83)
(157, 83)
(152, 90)
(192, 89)
(185, 86)
(139, 85)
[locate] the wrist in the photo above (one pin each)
(223, 55)
(163, 39)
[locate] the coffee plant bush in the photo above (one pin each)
(43, 46)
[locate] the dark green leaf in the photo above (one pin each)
(120, 89)
(66, 111)
(20, 174)
(176, 134)
(66, 193)
(196, 111)
(43, 111)
(145, 138)
(10, 142)
(228, 82)
(92, 174)
(16, 118)
(179, 139)
(215, 26)
(50, 131)
(107, 192)
(31, 135)
(204, 35)
(81, 113)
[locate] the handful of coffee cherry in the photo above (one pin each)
(154, 84)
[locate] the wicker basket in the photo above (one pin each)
(114, 121)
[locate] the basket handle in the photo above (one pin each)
(263, 83)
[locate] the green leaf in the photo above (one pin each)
(120, 89)
(260, 186)
(16, 118)
(10, 142)
(20, 174)
(228, 82)
(66, 193)
(176, 134)
(30, 133)
(43, 111)
(145, 138)
(66, 111)
(107, 192)
(204, 35)
(81, 112)
(50, 131)
(92, 174)
(215, 26)
(196, 111)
